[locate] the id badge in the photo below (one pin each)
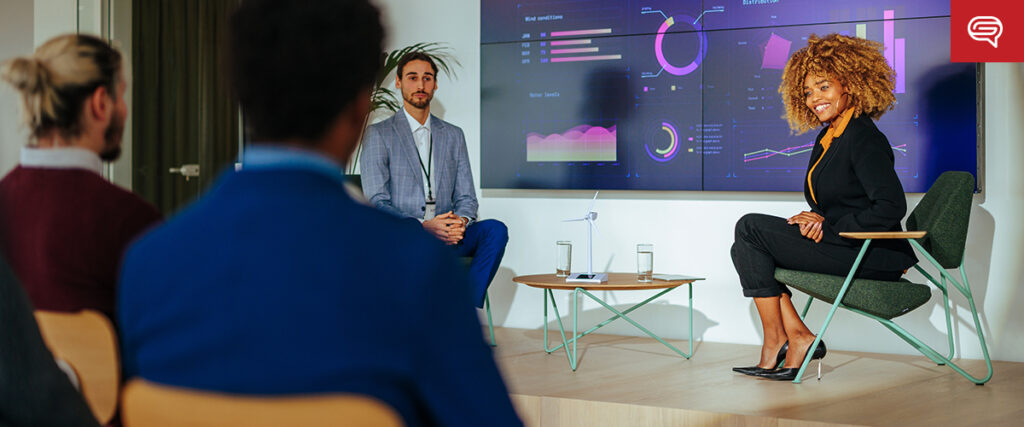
(431, 211)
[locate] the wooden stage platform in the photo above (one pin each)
(636, 381)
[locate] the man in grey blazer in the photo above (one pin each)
(415, 165)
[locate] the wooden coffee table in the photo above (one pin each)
(616, 282)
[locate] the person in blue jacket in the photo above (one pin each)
(276, 281)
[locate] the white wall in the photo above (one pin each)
(21, 31)
(692, 231)
(15, 40)
(121, 33)
(54, 17)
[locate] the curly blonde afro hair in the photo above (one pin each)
(857, 64)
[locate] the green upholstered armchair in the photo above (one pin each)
(939, 233)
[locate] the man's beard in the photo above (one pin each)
(422, 103)
(112, 139)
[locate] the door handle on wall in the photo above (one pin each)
(187, 171)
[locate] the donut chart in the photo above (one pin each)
(669, 152)
(659, 50)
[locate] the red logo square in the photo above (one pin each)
(986, 31)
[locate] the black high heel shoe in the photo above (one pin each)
(789, 374)
(755, 370)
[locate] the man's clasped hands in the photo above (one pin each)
(448, 227)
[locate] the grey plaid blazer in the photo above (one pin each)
(392, 177)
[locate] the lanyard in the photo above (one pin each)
(426, 169)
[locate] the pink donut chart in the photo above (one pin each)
(659, 50)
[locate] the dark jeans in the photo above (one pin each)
(484, 241)
(764, 242)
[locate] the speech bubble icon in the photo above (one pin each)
(985, 28)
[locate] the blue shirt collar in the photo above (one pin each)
(275, 157)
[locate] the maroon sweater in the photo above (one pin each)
(64, 232)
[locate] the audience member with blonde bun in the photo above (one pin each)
(63, 226)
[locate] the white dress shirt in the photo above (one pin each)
(421, 135)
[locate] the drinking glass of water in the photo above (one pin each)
(563, 258)
(644, 262)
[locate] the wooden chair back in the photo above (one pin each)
(150, 404)
(87, 342)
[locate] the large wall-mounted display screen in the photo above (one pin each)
(683, 95)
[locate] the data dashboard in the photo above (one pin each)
(683, 95)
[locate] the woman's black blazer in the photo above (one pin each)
(857, 190)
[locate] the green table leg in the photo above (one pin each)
(635, 323)
(613, 318)
(572, 354)
(691, 320)
(561, 328)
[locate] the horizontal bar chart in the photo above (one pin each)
(581, 32)
(586, 58)
(570, 42)
(574, 50)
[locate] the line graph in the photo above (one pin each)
(800, 149)
(768, 152)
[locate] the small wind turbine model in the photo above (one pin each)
(589, 276)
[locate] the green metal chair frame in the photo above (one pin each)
(942, 216)
(490, 323)
(466, 261)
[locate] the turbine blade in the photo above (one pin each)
(574, 220)
(591, 208)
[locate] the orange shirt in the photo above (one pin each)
(834, 131)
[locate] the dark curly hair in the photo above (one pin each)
(857, 64)
(295, 65)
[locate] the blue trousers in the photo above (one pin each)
(484, 241)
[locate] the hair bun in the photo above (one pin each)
(26, 74)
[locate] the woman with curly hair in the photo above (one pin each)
(840, 83)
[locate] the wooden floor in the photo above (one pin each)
(637, 381)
